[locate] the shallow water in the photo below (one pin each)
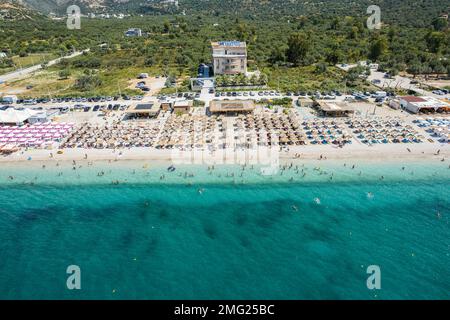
(217, 235)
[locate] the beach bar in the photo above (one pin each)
(182, 107)
(166, 106)
(334, 109)
(143, 110)
(15, 117)
(232, 106)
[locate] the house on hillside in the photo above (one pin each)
(133, 32)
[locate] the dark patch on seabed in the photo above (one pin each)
(210, 230)
(33, 214)
(270, 213)
(152, 245)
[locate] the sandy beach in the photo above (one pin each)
(356, 152)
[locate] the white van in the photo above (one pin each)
(9, 99)
(380, 94)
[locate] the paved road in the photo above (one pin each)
(15, 75)
(399, 82)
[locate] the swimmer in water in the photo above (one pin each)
(294, 208)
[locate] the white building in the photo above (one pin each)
(12, 116)
(133, 32)
(423, 104)
(229, 57)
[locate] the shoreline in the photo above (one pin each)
(356, 153)
(105, 167)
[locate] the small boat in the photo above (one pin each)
(171, 169)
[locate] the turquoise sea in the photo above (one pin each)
(138, 231)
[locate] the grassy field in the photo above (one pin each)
(116, 71)
(308, 79)
(28, 61)
(47, 83)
